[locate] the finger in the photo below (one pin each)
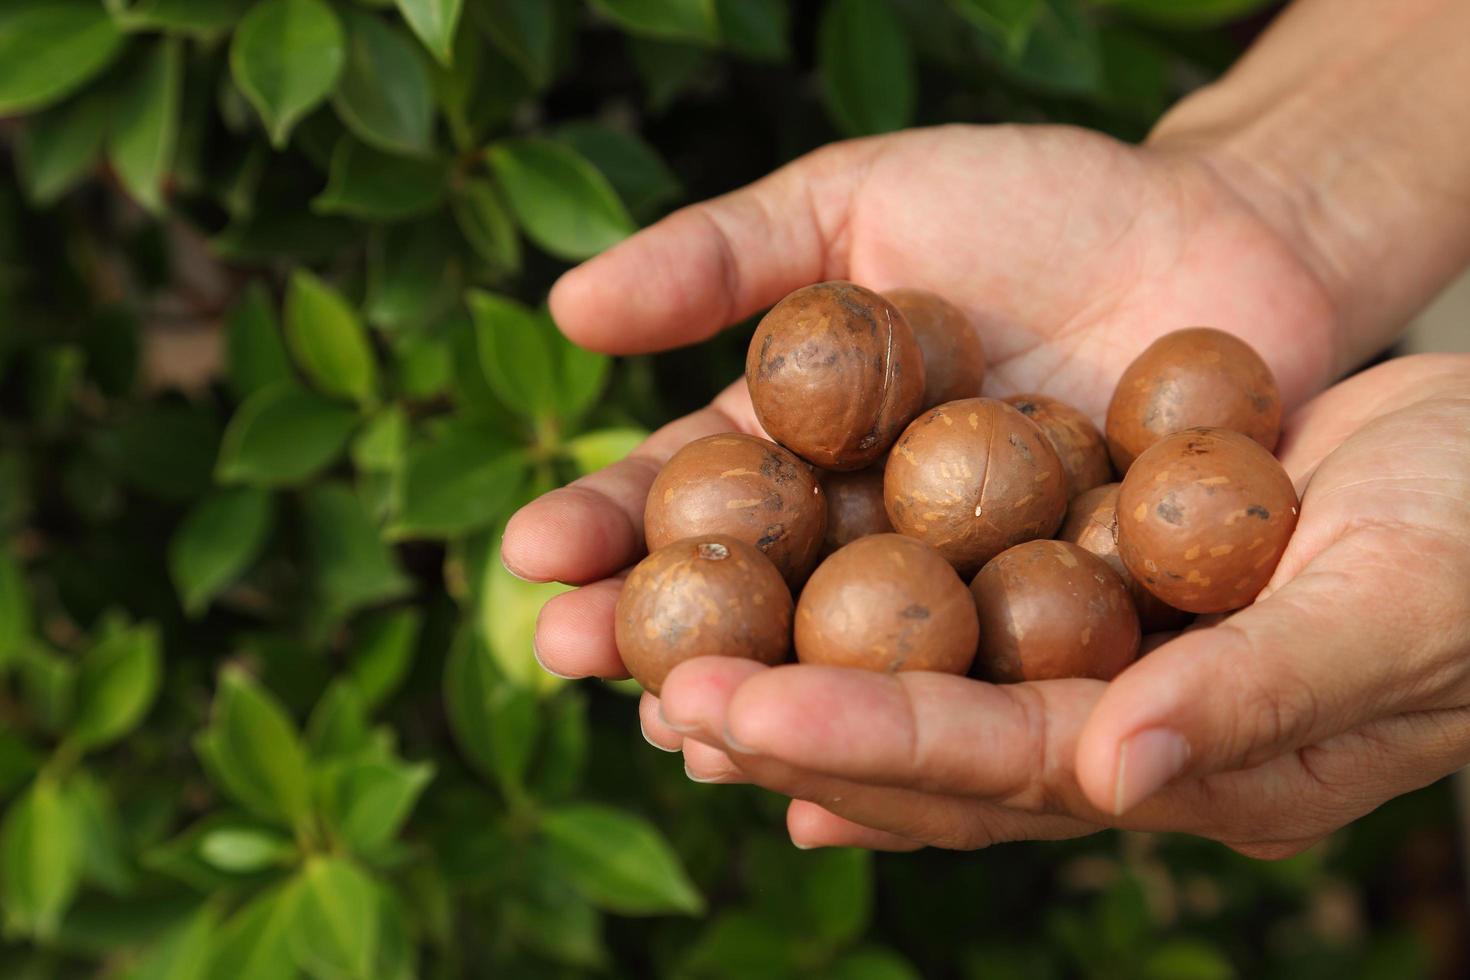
(697, 691)
(706, 764)
(593, 527)
(1324, 653)
(574, 632)
(812, 826)
(711, 264)
(655, 732)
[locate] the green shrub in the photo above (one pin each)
(274, 369)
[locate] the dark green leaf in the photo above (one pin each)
(105, 859)
(493, 720)
(1188, 959)
(548, 915)
(183, 952)
(165, 449)
(634, 168)
(867, 66)
(282, 435)
(488, 226)
(42, 849)
(1061, 53)
(826, 894)
(201, 17)
(366, 802)
(414, 275)
(565, 204)
(335, 929)
(286, 56)
(116, 683)
(873, 963)
(457, 484)
(561, 759)
(217, 542)
(49, 48)
(1195, 13)
(1135, 72)
(667, 68)
(255, 355)
(48, 683)
(677, 20)
(619, 861)
(18, 761)
(385, 96)
(254, 944)
(423, 367)
(145, 123)
(351, 566)
(434, 21)
(382, 653)
(252, 747)
(740, 944)
(328, 340)
(371, 185)
(1008, 21)
(514, 352)
(15, 607)
(524, 31)
(58, 147)
(756, 28)
(338, 725)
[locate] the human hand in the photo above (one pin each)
(1347, 682)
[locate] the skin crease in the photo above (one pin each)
(1295, 222)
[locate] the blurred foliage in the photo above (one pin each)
(274, 369)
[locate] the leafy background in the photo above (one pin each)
(274, 369)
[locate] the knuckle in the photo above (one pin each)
(1043, 787)
(1271, 707)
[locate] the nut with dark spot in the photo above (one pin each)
(1078, 444)
(707, 596)
(1049, 609)
(954, 354)
(973, 478)
(1204, 516)
(886, 602)
(854, 507)
(745, 487)
(1189, 378)
(835, 374)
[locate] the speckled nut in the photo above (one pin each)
(854, 507)
(1092, 525)
(1203, 517)
(748, 488)
(835, 374)
(954, 354)
(887, 603)
(1188, 378)
(706, 596)
(1049, 609)
(1080, 447)
(972, 478)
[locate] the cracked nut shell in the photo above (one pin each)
(1203, 518)
(706, 596)
(1049, 609)
(835, 374)
(854, 507)
(1081, 448)
(887, 603)
(973, 478)
(746, 487)
(1091, 524)
(1188, 378)
(954, 354)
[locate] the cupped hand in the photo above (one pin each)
(1346, 683)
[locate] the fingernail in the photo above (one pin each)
(700, 779)
(804, 847)
(536, 652)
(1146, 762)
(735, 745)
(650, 741)
(506, 565)
(664, 720)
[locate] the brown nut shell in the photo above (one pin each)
(746, 487)
(1050, 609)
(1092, 524)
(973, 478)
(1203, 518)
(835, 374)
(706, 596)
(886, 602)
(954, 354)
(1081, 448)
(854, 507)
(1188, 378)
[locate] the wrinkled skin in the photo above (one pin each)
(1090, 251)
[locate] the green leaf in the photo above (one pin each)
(116, 683)
(545, 913)
(282, 435)
(675, 20)
(371, 185)
(335, 929)
(458, 483)
(145, 124)
(244, 849)
(514, 353)
(1188, 959)
(564, 204)
(756, 28)
(867, 66)
(339, 724)
(618, 861)
(634, 168)
(218, 540)
(254, 944)
(48, 683)
(15, 607)
(414, 275)
(594, 450)
(255, 355)
(434, 21)
(385, 96)
(183, 952)
(42, 852)
(350, 565)
(367, 802)
(18, 761)
(1194, 14)
(198, 17)
(493, 720)
(508, 609)
(105, 848)
(873, 963)
(1008, 21)
(561, 759)
(739, 944)
(253, 750)
(58, 147)
(580, 374)
(49, 48)
(328, 340)
(286, 56)
(668, 69)
(1062, 53)
(825, 894)
(164, 449)
(382, 653)
(379, 446)
(524, 31)
(488, 225)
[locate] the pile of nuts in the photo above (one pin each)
(891, 483)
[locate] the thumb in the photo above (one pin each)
(711, 264)
(1365, 630)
